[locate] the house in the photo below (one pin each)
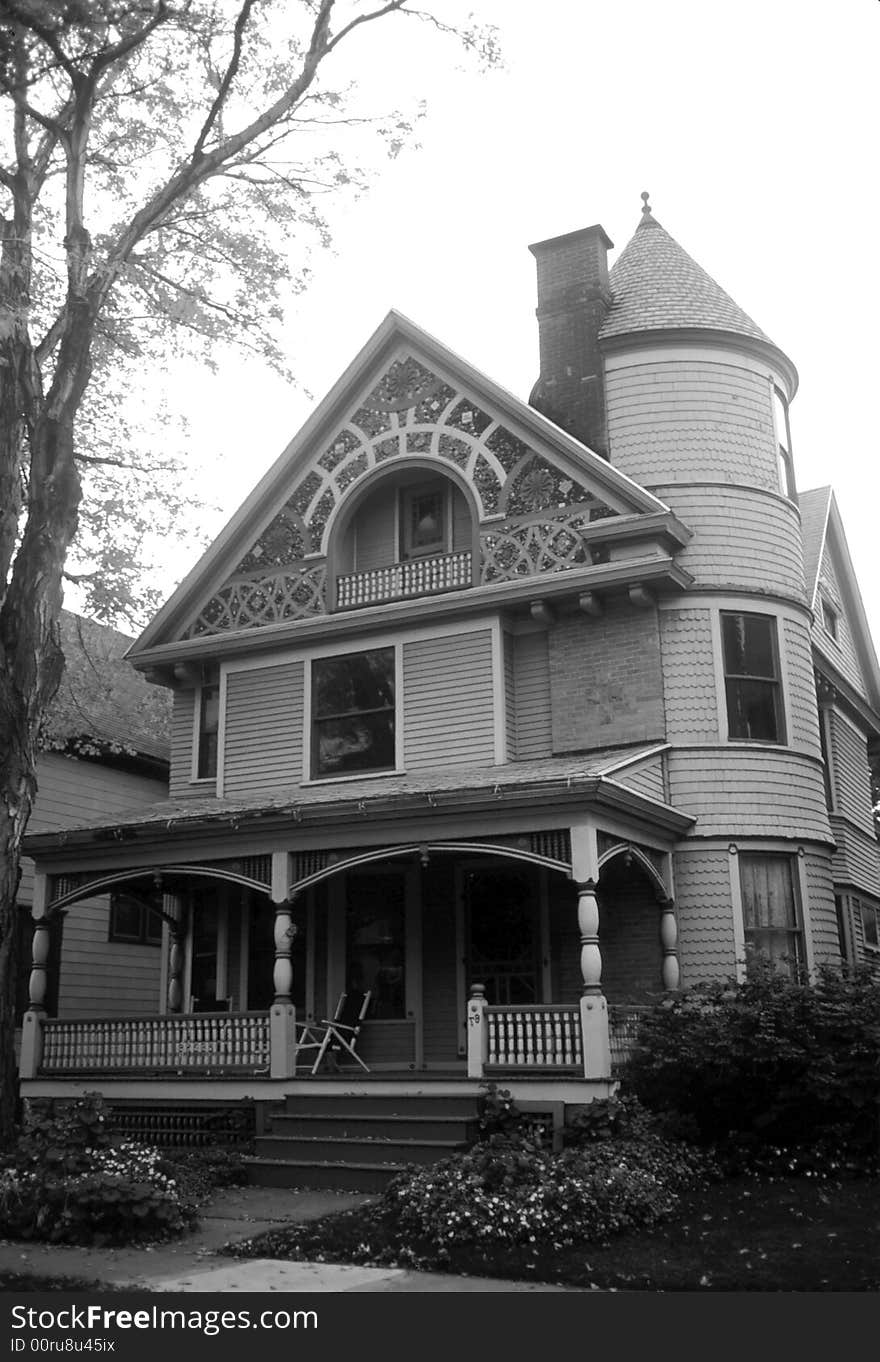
(104, 749)
(514, 713)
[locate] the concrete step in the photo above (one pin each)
(331, 1149)
(352, 1123)
(342, 1177)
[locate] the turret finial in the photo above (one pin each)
(646, 207)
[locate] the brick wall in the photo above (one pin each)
(606, 684)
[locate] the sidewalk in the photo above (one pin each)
(235, 1214)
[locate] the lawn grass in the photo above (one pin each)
(792, 1234)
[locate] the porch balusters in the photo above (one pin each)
(669, 970)
(477, 1032)
(594, 1009)
(282, 1014)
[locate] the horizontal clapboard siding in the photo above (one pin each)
(73, 792)
(101, 978)
(448, 701)
(647, 779)
(852, 775)
(264, 728)
(531, 684)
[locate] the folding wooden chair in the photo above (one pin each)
(342, 1031)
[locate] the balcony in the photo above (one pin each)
(400, 581)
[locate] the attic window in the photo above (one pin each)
(423, 520)
(830, 619)
(783, 445)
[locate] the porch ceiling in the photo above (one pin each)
(570, 781)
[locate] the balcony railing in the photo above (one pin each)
(208, 1041)
(418, 577)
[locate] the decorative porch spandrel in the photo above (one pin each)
(425, 934)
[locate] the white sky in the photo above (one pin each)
(753, 126)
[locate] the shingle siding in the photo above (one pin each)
(706, 942)
(749, 793)
(673, 419)
(821, 910)
(689, 683)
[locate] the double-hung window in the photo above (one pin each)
(751, 678)
(870, 925)
(771, 909)
(209, 728)
(136, 919)
(353, 713)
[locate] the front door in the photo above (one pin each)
(502, 936)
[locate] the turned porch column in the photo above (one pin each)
(31, 1052)
(669, 969)
(176, 953)
(594, 1009)
(282, 1014)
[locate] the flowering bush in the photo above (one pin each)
(65, 1182)
(510, 1190)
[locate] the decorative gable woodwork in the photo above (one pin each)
(532, 512)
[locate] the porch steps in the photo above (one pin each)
(358, 1142)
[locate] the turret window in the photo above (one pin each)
(771, 910)
(751, 678)
(783, 445)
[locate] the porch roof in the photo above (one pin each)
(453, 788)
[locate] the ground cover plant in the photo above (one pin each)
(68, 1180)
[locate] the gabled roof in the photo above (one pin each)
(656, 286)
(822, 531)
(313, 450)
(103, 706)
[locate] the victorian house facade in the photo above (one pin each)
(515, 714)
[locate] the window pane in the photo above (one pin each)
(770, 914)
(125, 918)
(748, 645)
(780, 414)
(209, 722)
(364, 742)
(869, 925)
(353, 713)
(353, 683)
(752, 710)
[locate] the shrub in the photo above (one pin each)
(63, 1138)
(66, 1182)
(123, 1197)
(511, 1190)
(769, 1064)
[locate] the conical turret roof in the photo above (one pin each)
(656, 286)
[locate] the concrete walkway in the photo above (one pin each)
(232, 1215)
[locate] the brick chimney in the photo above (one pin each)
(573, 302)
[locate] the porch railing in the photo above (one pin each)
(523, 1036)
(417, 577)
(623, 1025)
(212, 1041)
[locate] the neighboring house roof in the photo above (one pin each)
(657, 286)
(103, 706)
(814, 507)
(821, 529)
(431, 789)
